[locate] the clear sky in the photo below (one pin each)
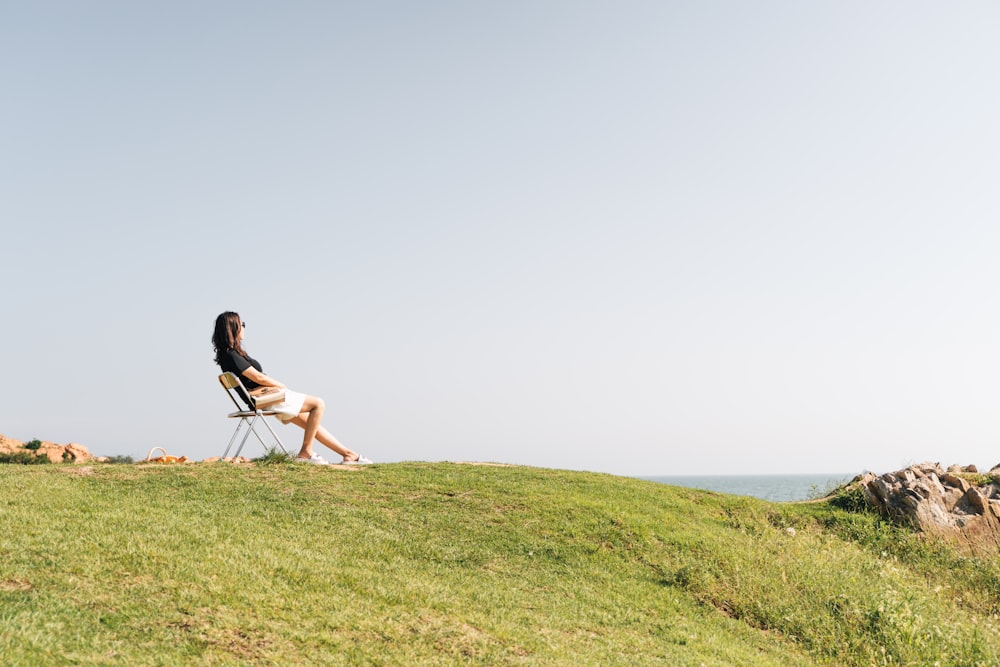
(643, 238)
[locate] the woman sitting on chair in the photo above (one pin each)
(304, 411)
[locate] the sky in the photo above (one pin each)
(635, 237)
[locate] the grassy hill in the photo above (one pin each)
(442, 564)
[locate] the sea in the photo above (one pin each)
(778, 488)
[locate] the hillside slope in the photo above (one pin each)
(458, 564)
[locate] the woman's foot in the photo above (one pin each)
(315, 459)
(356, 460)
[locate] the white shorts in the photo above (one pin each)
(289, 408)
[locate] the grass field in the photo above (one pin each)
(452, 564)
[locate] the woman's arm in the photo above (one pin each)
(263, 380)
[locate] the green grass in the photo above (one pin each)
(448, 564)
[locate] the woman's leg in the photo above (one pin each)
(309, 421)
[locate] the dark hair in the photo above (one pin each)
(226, 336)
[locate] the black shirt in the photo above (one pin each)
(234, 362)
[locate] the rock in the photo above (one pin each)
(9, 445)
(71, 453)
(954, 481)
(976, 501)
(940, 503)
(79, 453)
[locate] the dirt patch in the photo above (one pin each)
(15, 585)
(241, 643)
(484, 463)
(83, 471)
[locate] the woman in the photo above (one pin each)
(304, 411)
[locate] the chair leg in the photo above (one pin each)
(233, 439)
(253, 430)
(245, 436)
(276, 438)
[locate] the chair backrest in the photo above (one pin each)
(234, 388)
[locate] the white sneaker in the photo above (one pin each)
(315, 459)
(361, 461)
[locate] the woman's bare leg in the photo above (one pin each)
(309, 421)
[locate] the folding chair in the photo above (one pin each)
(247, 416)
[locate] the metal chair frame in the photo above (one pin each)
(248, 416)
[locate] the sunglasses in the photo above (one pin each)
(243, 324)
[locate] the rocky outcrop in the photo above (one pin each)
(959, 503)
(71, 453)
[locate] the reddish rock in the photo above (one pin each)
(79, 452)
(71, 453)
(9, 445)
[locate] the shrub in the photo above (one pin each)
(33, 445)
(120, 459)
(852, 499)
(24, 458)
(979, 479)
(274, 456)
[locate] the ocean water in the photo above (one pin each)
(777, 488)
